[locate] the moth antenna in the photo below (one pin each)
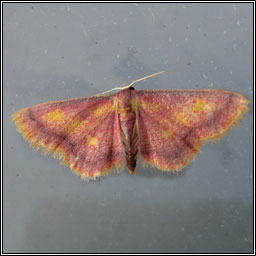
(132, 83)
(143, 78)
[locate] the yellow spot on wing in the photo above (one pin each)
(55, 115)
(150, 106)
(201, 105)
(72, 127)
(180, 116)
(166, 134)
(92, 141)
(102, 110)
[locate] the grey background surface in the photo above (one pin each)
(59, 51)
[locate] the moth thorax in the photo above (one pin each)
(124, 101)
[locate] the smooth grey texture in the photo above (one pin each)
(55, 51)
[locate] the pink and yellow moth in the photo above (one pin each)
(163, 128)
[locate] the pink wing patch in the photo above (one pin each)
(83, 132)
(173, 124)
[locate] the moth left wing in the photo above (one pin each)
(173, 124)
(83, 132)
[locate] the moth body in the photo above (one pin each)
(127, 119)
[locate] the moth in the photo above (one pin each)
(99, 134)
